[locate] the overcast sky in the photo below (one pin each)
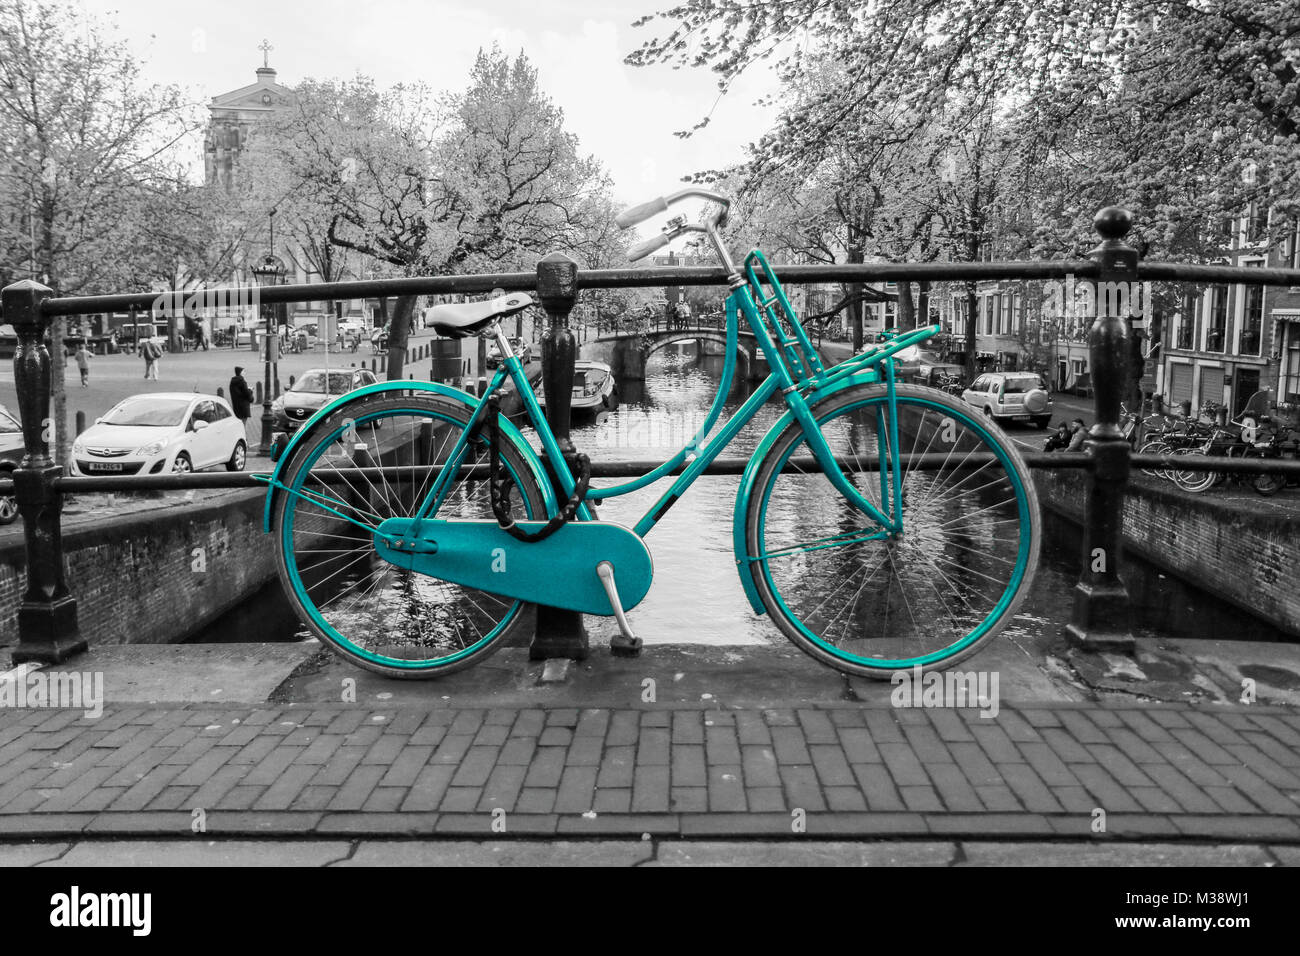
(625, 116)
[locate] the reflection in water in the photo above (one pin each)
(697, 597)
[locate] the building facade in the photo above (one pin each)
(1225, 342)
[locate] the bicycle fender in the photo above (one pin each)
(750, 478)
(508, 431)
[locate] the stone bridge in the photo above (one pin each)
(626, 351)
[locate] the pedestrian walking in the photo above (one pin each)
(83, 365)
(152, 352)
(241, 397)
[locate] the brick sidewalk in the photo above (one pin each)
(1158, 772)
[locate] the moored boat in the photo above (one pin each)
(594, 389)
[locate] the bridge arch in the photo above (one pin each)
(627, 352)
(744, 346)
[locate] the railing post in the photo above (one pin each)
(1101, 619)
(559, 633)
(47, 616)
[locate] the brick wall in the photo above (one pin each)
(136, 577)
(1246, 556)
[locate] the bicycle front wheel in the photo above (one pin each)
(871, 603)
(381, 617)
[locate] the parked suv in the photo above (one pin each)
(1012, 396)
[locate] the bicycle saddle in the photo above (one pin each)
(469, 318)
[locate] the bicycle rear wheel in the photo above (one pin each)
(378, 616)
(872, 604)
(1193, 481)
(1155, 447)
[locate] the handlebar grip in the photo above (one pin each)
(643, 249)
(630, 217)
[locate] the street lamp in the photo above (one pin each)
(268, 271)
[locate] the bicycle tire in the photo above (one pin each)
(407, 625)
(1265, 483)
(1155, 447)
(1195, 482)
(863, 644)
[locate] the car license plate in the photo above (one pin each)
(104, 465)
(1020, 418)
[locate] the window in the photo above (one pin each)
(1256, 222)
(1182, 325)
(1291, 365)
(146, 410)
(1291, 249)
(204, 412)
(1217, 325)
(1252, 315)
(1022, 384)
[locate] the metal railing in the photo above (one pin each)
(47, 619)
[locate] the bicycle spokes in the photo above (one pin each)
(875, 599)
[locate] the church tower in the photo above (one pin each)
(233, 115)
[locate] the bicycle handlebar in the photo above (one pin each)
(638, 214)
(643, 249)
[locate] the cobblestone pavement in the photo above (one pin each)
(1158, 773)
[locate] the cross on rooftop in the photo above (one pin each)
(266, 49)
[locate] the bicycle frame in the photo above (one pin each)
(795, 372)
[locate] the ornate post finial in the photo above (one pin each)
(1113, 223)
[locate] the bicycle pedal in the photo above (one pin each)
(625, 644)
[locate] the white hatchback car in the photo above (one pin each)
(162, 432)
(1013, 396)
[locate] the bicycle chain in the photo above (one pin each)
(499, 491)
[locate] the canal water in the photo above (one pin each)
(697, 596)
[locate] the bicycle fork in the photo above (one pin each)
(890, 515)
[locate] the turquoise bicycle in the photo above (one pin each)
(882, 526)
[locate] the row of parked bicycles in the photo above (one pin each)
(1251, 435)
